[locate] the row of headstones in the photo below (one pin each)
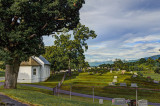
(122, 101)
(134, 76)
(123, 84)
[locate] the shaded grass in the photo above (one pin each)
(83, 82)
(151, 96)
(40, 97)
(55, 79)
(2, 73)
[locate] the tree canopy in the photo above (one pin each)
(69, 51)
(24, 22)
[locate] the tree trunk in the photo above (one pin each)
(69, 67)
(11, 75)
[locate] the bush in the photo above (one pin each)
(140, 74)
(157, 70)
(2, 66)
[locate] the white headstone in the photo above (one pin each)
(111, 83)
(135, 73)
(131, 72)
(123, 84)
(134, 76)
(114, 80)
(118, 101)
(156, 82)
(142, 102)
(123, 71)
(100, 101)
(115, 77)
(110, 71)
(134, 85)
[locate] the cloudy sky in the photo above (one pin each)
(126, 29)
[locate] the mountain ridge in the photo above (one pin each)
(96, 63)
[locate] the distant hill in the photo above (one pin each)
(153, 57)
(99, 63)
(111, 62)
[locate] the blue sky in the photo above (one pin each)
(126, 29)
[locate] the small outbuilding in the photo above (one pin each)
(37, 69)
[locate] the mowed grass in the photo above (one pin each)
(153, 75)
(84, 82)
(2, 73)
(55, 79)
(41, 97)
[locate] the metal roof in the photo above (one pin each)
(44, 60)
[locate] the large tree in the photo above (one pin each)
(22, 25)
(69, 48)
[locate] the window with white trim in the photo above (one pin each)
(34, 71)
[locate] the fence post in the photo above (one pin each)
(93, 93)
(70, 91)
(136, 97)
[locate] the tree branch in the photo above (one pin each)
(44, 26)
(32, 36)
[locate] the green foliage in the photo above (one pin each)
(142, 60)
(24, 22)
(140, 74)
(157, 70)
(69, 52)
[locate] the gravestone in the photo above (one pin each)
(111, 83)
(135, 73)
(156, 82)
(100, 101)
(123, 84)
(114, 80)
(134, 85)
(119, 101)
(149, 79)
(134, 76)
(110, 71)
(131, 72)
(115, 77)
(79, 70)
(123, 71)
(142, 102)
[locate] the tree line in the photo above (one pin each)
(139, 65)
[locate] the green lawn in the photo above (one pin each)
(40, 97)
(2, 73)
(153, 75)
(83, 82)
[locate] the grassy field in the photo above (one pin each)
(2, 73)
(153, 75)
(83, 82)
(40, 97)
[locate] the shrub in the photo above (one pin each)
(157, 70)
(140, 74)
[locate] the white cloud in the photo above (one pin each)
(126, 29)
(144, 39)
